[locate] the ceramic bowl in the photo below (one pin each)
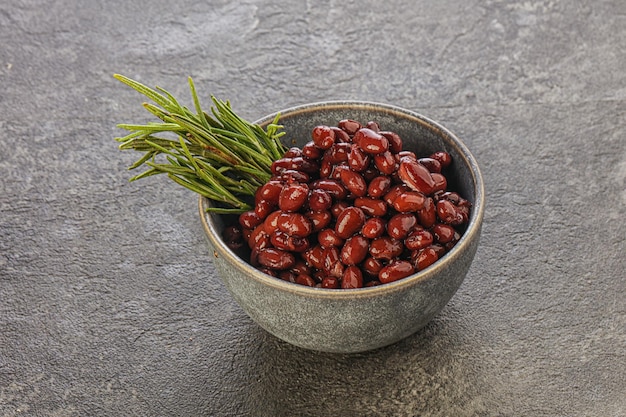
(356, 320)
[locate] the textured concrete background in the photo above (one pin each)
(110, 306)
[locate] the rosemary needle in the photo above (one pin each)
(218, 155)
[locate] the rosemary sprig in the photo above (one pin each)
(218, 155)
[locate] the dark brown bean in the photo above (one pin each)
(394, 271)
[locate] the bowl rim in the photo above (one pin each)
(472, 230)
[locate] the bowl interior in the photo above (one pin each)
(419, 134)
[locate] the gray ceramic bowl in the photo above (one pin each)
(367, 318)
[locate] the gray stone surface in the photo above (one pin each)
(110, 306)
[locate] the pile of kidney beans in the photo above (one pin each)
(351, 209)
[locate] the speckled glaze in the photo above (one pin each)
(347, 321)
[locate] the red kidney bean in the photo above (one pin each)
(305, 280)
(300, 267)
(385, 248)
(328, 238)
(232, 234)
(371, 206)
(293, 196)
(326, 169)
(311, 151)
(268, 271)
(339, 152)
(423, 258)
(399, 226)
(323, 136)
(290, 175)
(282, 240)
(314, 257)
(418, 239)
(372, 125)
(330, 282)
(332, 187)
(319, 219)
(275, 258)
(372, 266)
(354, 182)
(394, 192)
(263, 208)
(427, 215)
(249, 220)
(440, 250)
(320, 200)
(354, 250)
(370, 141)
(337, 269)
(444, 158)
(293, 152)
(416, 176)
(379, 186)
(295, 224)
(338, 207)
(409, 201)
(443, 233)
(408, 156)
(330, 257)
(352, 278)
(357, 159)
(270, 191)
(259, 239)
(287, 276)
(349, 126)
(433, 165)
(349, 222)
(395, 142)
(448, 213)
(270, 224)
(385, 162)
(341, 135)
(394, 271)
(441, 183)
(373, 228)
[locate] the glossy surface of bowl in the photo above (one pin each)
(361, 319)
